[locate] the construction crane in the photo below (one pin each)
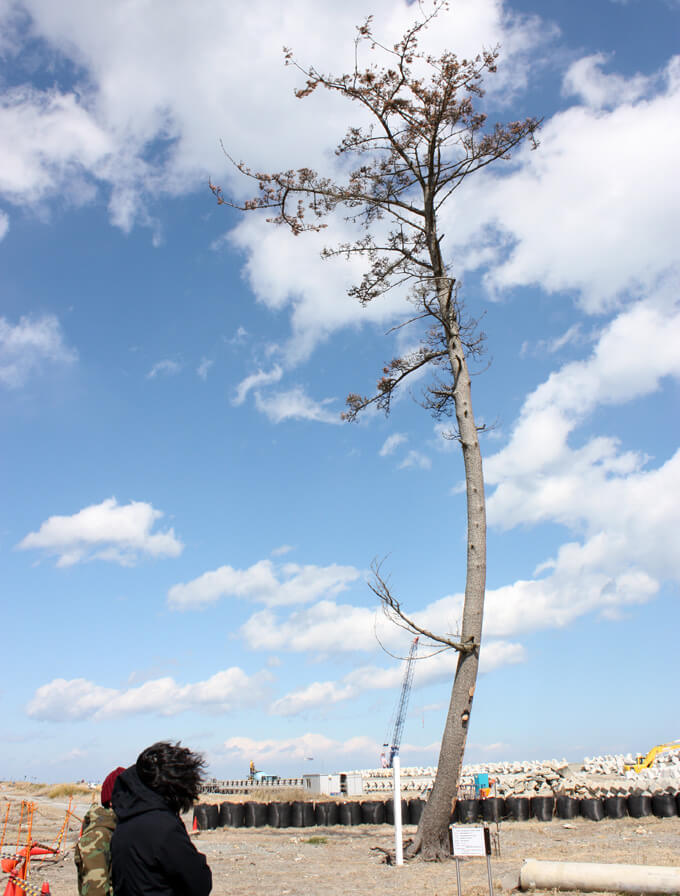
(402, 706)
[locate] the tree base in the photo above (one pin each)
(427, 852)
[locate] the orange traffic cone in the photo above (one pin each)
(10, 889)
(45, 889)
(194, 827)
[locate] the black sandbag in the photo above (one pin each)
(204, 816)
(469, 811)
(454, 816)
(566, 806)
(415, 809)
(210, 816)
(517, 807)
(256, 814)
(493, 808)
(238, 815)
(677, 802)
(663, 805)
(225, 815)
(326, 814)
(372, 812)
(302, 814)
(349, 813)
(278, 815)
(542, 807)
(639, 805)
(615, 807)
(592, 809)
(389, 812)
(213, 816)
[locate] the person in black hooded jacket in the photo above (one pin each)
(151, 852)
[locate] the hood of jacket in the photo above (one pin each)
(98, 816)
(131, 797)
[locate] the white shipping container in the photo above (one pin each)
(326, 784)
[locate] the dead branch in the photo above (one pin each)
(393, 610)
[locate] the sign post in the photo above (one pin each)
(467, 841)
(398, 842)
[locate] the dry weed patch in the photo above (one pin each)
(67, 789)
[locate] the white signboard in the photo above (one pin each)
(468, 840)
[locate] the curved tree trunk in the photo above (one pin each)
(431, 839)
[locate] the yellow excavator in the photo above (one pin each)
(649, 760)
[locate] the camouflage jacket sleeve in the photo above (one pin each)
(93, 853)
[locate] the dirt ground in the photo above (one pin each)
(344, 860)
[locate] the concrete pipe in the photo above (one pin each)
(587, 876)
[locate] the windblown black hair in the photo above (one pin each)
(173, 772)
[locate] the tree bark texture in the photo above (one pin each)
(431, 840)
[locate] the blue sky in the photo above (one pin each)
(186, 526)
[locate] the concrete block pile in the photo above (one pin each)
(664, 774)
(598, 776)
(538, 778)
(415, 780)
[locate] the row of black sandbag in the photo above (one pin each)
(543, 808)
(303, 814)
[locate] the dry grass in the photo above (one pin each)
(67, 789)
(280, 794)
(24, 786)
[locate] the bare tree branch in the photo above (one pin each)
(392, 609)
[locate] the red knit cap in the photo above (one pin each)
(107, 786)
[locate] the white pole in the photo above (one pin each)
(398, 844)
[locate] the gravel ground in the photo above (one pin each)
(339, 860)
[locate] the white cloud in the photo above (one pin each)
(75, 754)
(392, 442)
(428, 670)
(285, 271)
(140, 86)
(572, 336)
(27, 346)
(164, 368)
(107, 531)
(263, 582)
(539, 477)
(624, 511)
(443, 437)
(586, 80)
(204, 367)
(4, 224)
(61, 700)
(295, 404)
(319, 693)
(416, 459)
(146, 118)
(254, 381)
(594, 577)
(561, 217)
(49, 141)
(306, 746)
(325, 627)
